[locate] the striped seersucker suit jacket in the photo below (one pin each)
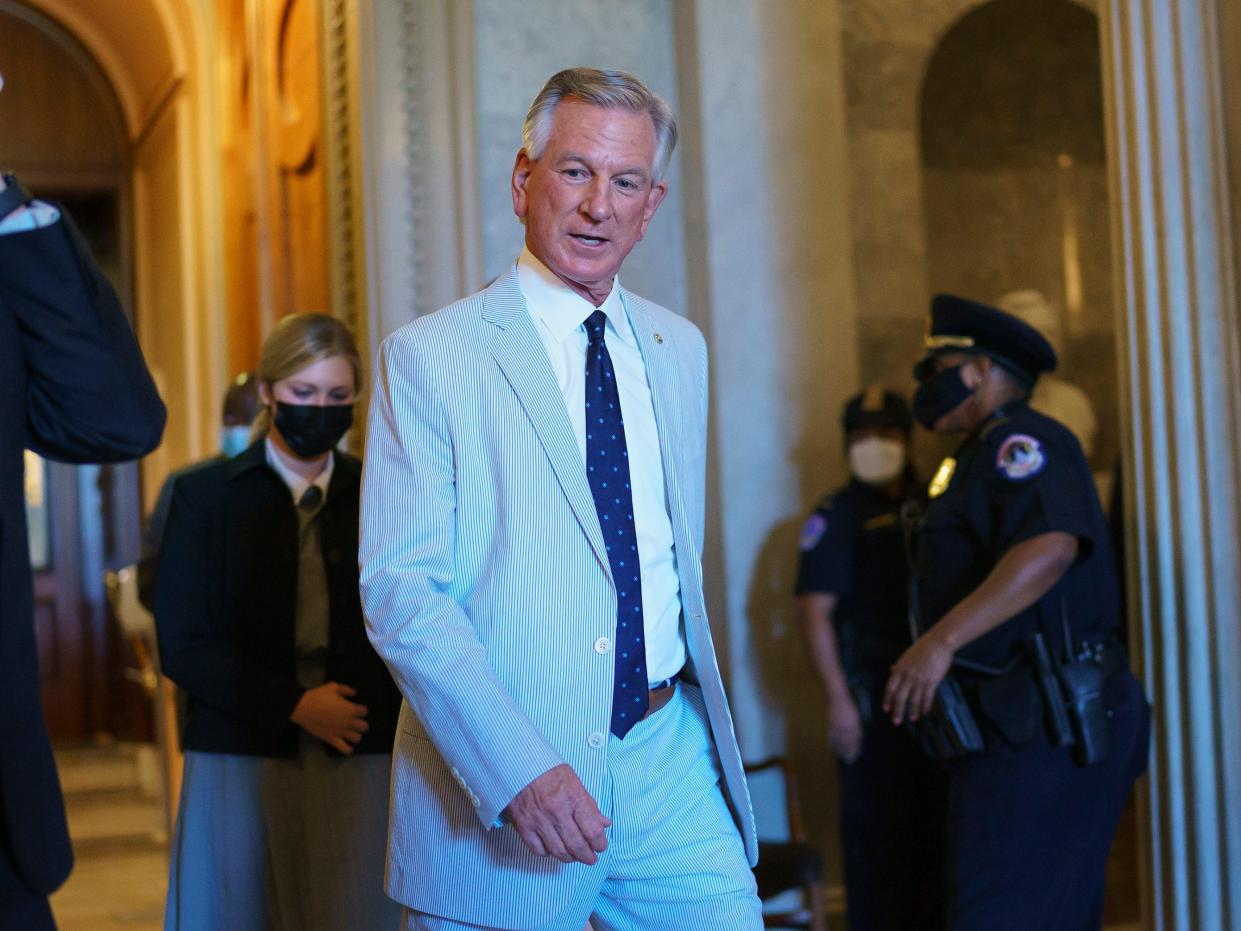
(486, 585)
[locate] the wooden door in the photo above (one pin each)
(295, 158)
(272, 169)
(84, 520)
(52, 511)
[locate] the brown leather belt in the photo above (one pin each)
(657, 698)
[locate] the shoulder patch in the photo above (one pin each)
(1020, 456)
(812, 531)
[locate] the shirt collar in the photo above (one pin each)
(562, 310)
(297, 484)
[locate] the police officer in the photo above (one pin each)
(852, 595)
(1017, 591)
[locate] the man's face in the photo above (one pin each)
(587, 201)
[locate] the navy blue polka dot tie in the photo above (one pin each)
(607, 465)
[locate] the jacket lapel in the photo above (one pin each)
(660, 355)
(520, 354)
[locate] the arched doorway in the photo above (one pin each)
(155, 55)
(65, 136)
(103, 113)
(1015, 193)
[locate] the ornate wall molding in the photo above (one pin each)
(342, 136)
(413, 136)
(418, 151)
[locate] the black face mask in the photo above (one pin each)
(938, 395)
(310, 429)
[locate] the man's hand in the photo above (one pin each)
(915, 677)
(327, 713)
(556, 817)
(844, 728)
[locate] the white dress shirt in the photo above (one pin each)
(297, 484)
(559, 314)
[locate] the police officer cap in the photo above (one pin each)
(876, 407)
(961, 325)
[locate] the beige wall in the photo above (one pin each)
(773, 268)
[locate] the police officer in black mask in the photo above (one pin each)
(852, 594)
(1016, 593)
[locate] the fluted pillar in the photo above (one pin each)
(1179, 348)
(417, 146)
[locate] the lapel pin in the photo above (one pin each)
(659, 338)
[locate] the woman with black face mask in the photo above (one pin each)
(291, 714)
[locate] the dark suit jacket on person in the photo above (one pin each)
(226, 602)
(75, 389)
(148, 560)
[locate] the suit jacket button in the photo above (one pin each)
(595, 740)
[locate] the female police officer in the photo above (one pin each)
(852, 590)
(1017, 589)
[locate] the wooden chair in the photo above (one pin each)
(138, 626)
(790, 864)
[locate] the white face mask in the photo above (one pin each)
(875, 460)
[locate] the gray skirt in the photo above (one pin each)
(265, 844)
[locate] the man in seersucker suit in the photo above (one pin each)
(531, 568)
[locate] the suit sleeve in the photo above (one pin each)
(90, 397)
(194, 653)
(410, 513)
(148, 561)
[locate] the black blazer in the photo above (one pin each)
(75, 389)
(226, 600)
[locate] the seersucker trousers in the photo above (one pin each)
(675, 861)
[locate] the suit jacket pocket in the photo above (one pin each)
(409, 725)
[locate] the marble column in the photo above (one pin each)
(1179, 347)
(420, 217)
(770, 280)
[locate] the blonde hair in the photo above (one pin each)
(299, 341)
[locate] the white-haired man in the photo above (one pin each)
(532, 526)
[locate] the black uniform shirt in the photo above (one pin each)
(853, 547)
(1020, 475)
